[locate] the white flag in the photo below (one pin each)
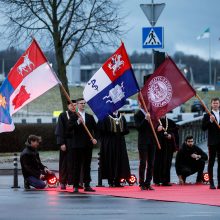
(205, 34)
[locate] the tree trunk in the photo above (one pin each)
(61, 68)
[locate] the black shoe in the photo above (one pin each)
(62, 186)
(149, 188)
(89, 189)
(166, 184)
(80, 186)
(212, 186)
(218, 187)
(143, 187)
(26, 184)
(75, 189)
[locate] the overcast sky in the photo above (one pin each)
(183, 22)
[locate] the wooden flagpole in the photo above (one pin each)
(150, 121)
(68, 98)
(206, 109)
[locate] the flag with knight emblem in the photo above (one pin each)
(109, 87)
(166, 89)
(30, 77)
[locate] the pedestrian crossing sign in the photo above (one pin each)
(152, 37)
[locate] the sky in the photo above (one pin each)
(183, 21)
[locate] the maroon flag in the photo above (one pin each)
(166, 89)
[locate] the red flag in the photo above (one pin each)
(166, 89)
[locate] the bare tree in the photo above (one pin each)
(70, 25)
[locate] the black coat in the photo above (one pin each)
(62, 133)
(81, 138)
(184, 159)
(113, 153)
(30, 163)
(213, 130)
(145, 133)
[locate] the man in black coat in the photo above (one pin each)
(146, 148)
(208, 123)
(33, 170)
(82, 145)
(66, 155)
(190, 159)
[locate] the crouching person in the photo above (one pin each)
(190, 159)
(34, 172)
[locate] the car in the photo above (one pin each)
(197, 107)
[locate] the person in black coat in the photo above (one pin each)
(213, 139)
(146, 148)
(113, 153)
(82, 145)
(167, 132)
(190, 159)
(34, 172)
(66, 155)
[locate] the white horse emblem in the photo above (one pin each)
(26, 63)
(116, 63)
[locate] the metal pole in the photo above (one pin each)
(15, 162)
(210, 65)
(99, 172)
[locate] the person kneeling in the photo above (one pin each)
(189, 160)
(34, 172)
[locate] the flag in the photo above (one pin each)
(166, 89)
(205, 34)
(109, 87)
(30, 77)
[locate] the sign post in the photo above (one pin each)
(152, 12)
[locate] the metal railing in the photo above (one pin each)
(192, 127)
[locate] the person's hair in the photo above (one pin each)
(215, 99)
(73, 101)
(79, 99)
(189, 137)
(33, 137)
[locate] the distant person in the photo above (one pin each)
(34, 172)
(146, 148)
(82, 145)
(190, 159)
(113, 152)
(167, 132)
(63, 137)
(213, 139)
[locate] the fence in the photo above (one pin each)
(192, 127)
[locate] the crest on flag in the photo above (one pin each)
(115, 63)
(26, 63)
(159, 91)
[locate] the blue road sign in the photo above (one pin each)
(152, 37)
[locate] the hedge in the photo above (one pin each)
(15, 141)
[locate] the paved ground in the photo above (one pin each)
(20, 204)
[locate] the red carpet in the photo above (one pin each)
(198, 194)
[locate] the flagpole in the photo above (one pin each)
(150, 121)
(206, 109)
(210, 65)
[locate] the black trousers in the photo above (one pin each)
(82, 158)
(66, 166)
(198, 166)
(146, 157)
(213, 151)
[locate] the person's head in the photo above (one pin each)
(189, 141)
(70, 106)
(33, 140)
(81, 104)
(215, 104)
